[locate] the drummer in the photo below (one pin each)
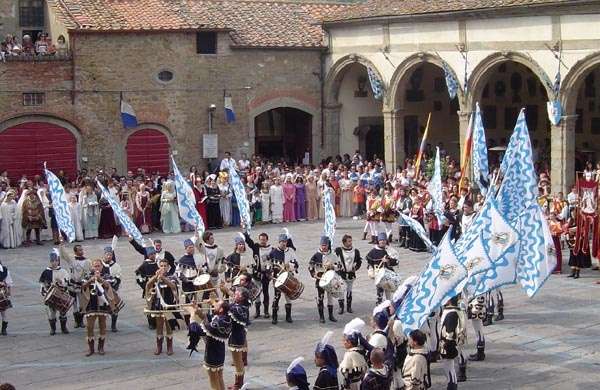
(379, 257)
(188, 267)
(54, 275)
(158, 248)
(239, 262)
(162, 289)
(6, 283)
(321, 262)
(145, 271)
(79, 265)
(112, 269)
(213, 258)
(349, 261)
(261, 251)
(282, 257)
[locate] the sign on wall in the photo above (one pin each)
(210, 146)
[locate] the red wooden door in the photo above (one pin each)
(148, 149)
(25, 147)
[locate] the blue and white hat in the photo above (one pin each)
(325, 240)
(150, 251)
(296, 375)
(108, 249)
(187, 242)
(326, 351)
(382, 236)
(54, 255)
(353, 329)
(239, 239)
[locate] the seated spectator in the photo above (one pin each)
(28, 46)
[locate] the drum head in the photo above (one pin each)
(236, 281)
(201, 280)
(281, 279)
(379, 275)
(326, 278)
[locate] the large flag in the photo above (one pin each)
(128, 115)
(60, 205)
(451, 81)
(466, 152)
(229, 112)
(537, 258)
(376, 84)
(419, 229)
(121, 215)
(443, 279)
(554, 107)
(422, 148)
(435, 188)
(480, 159)
(519, 185)
(186, 201)
(240, 196)
(330, 219)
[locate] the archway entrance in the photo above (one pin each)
(510, 86)
(25, 148)
(148, 149)
(587, 124)
(283, 133)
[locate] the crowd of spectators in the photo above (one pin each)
(42, 46)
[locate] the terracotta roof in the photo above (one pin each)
(383, 8)
(254, 23)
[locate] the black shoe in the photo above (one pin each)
(76, 319)
(4, 325)
(274, 317)
(266, 315)
(52, 327)
(462, 373)
(573, 272)
(341, 310)
(479, 356)
(452, 386)
(488, 320)
(113, 323)
(257, 310)
(321, 313)
(330, 311)
(63, 326)
(288, 313)
(500, 316)
(174, 324)
(576, 275)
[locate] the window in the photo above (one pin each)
(31, 13)
(206, 42)
(165, 76)
(33, 98)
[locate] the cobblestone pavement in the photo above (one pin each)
(548, 342)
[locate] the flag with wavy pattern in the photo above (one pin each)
(330, 219)
(240, 196)
(60, 204)
(121, 215)
(186, 200)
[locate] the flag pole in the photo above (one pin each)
(466, 154)
(422, 148)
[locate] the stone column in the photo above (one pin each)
(393, 138)
(562, 154)
(331, 131)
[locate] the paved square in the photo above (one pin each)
(549, 342)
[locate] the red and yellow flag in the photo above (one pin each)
(464, 164)
(422, 148)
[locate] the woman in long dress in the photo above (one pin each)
(46, 234)
(75, 210)
(265, 203)
(276, 192)
(200, 195)
(225, 201)
(312, 198)
(9, 237)
(300, 201)
(213, 211)
(143, 210)
(90, 212)
(107, 228)
(289, 196)
(235, 211)
(169, 215)
(346, 187)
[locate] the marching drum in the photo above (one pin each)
(333, 283)
(4, 300)
(203, 282)
(188, 272)
(289, 285)
(58, 299)
(254, 288)
(387, 279)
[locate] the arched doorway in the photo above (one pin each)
(148, 149)
(587, 124)
(283, 132)
(26, 146)
(503, 90)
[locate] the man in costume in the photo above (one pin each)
(320, 263)
(143, 273)
(349, 262)
(452, 338)
(282, 258)
(33, 217)
(476, 312)
(239, 312)
(79, 266)
(187, 269)
(161, 291)
(416, 366)
(159, 252)
(327, 362)
(6, 283)
(261, 251)
(239, 262)
(54, 277)
(379, 257)
(295, 375)
(112, 269)
(353, 366)
(213, 258)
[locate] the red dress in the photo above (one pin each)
(200, 202)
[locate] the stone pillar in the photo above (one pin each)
(562, 154)
(331, 132)
(393, 137)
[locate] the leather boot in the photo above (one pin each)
(341, 310)
(288, 313)
(100, 346)
(245, 358)
(90, 347)
(274, 316)
(349, 303)
(266, 310)
(169, 346)
(462, 373)
(479, 356)
(488, 320)
(4, 325)
(330, 310)
(257, 310)
(390, 238)
(52, 327)
(321, 313)
(364, 236)
(63, 326)
(573, 272)
(159, 343)
(113, 323)
(76, 319)
(576, 274)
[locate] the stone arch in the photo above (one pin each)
(20, 119)
(478, 78)
(336, 75)
(399, 77)
(573, 80)
(122, 163)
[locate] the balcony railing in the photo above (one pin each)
(38, 57)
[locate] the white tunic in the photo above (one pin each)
(276, 193)
(9, 237)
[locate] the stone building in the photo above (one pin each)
(170, 61)
(511, 50)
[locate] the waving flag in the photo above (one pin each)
(240, 196)
(480, 159)
(451, 82)
(443, 279)
(417, 228)
(435, 188)
(186, 200)
(467, 152)
(229, 113)
(330, 219)
(519, 185)
(376, 84)
(475, 258)
(422, 148)
(60, 205)
(121, 215)
(554, 111)
(128, 115)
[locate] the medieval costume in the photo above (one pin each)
(264, 270)
(78, 266)
(353, 366)
(144, 272)
(289, 196)
(90, 212)
(213, 210)
(9, 230)
(277, 199)
(321, 262)
(107, 227)
(54, 277)
(160, 292)
(169, 214)
(238, 344)
(349, 261)
(295, 375)
(312, 199)
(225, 200)
(6, 284)
(300, 200)
(452, 337)
(143, 210)
(76, 217)
(33, 217)
(282, 258)
(112, 271)
(379, 257)
(327, 362)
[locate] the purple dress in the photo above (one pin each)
(300, 205)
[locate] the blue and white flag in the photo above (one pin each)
(537, 258)
(475, 258)
(419, 229)
(330, 219)
(519, 185)
(240, 196)
(60, 205)
(229, 112)
(435, 188)
(479, 156)
(504, 272)
(451, 82)
(186, 200)
(554, 111)
(376, 84)
(443, 279)
(121, 215)
(128, 115)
